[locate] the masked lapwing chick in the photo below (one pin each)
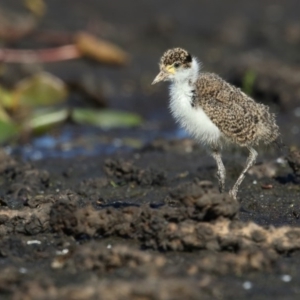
(215, 112)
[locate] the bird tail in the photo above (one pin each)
(269, 128)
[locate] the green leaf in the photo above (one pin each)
(40, 90)
(248, 82)
(6, 98)
(105, 118)
(44, 119)
(8, 130)
(4, 115)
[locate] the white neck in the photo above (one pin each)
(192, 118)
(188, 75)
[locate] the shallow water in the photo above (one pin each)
(88, 141)
(72, 141)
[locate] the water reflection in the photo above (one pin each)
(74, 140)
(87, 141)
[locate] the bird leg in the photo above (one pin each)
(249, 163)
(221, 173)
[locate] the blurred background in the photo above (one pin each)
(75, 76)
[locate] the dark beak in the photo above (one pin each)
(160, 77)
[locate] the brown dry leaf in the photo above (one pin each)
(100, 50)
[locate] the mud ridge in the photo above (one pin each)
(150, 288)
(206, 220)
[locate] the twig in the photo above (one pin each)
(45, 55)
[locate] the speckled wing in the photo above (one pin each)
(232, 120)
(238, 117)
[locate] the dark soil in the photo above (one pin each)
(149, 223)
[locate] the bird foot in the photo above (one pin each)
(233, 194)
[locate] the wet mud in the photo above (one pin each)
(88, 219)
(183, 240)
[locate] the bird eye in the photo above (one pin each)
(176, 65)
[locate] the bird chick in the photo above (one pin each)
(215, 112)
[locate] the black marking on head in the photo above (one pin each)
(189, 58)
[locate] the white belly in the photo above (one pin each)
(193, 120)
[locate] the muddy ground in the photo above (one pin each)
(143, 219)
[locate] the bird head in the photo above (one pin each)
(176, 64)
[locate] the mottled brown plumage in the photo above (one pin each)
(176, 55)
(214, 111)
(241, 119)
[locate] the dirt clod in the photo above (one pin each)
(125, 171)
(293, 159)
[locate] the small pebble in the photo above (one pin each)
(32, 242)
(280, 160)
(247, 285)
(62, 252)
(108, 246)
(254, 182)
(286, 278)
(23, 270)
